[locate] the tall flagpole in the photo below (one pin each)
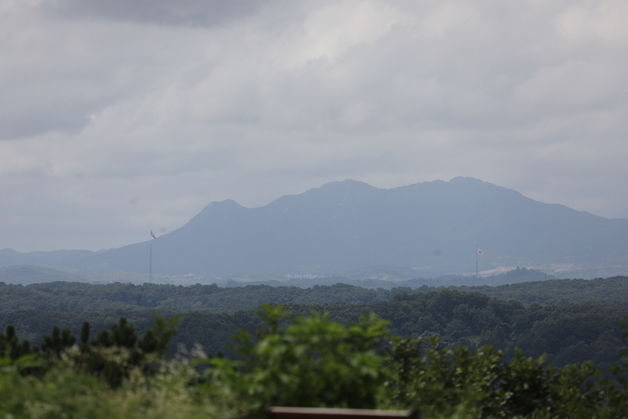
(478, 253)
(150, 257)
(150, 262)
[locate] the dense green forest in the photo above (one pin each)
(570, 320)
(571, 330)
(606, 291)
(78, 297)
(74, 296)
(292, 361)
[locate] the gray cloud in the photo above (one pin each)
(182, 12)
(170, 105)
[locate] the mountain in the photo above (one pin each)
(430, 228)
(29, 274)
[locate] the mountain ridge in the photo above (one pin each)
(432, 227)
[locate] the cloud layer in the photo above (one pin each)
(121, 116)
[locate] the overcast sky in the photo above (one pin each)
(121, 116)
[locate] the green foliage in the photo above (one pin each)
(10, 345)
(302, 360)
(311, 362)
(111, 356)
(159, 335)
(62, 392)
(54, 344)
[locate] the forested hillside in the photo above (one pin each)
(571, 329)
(66, 296)
(607, 291)
(74, 296)
(296, 361)
(570, 332)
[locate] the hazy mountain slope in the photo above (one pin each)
(59, 258)
(29, 274)
(433, 227)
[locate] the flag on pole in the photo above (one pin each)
(152, 234)
(479, 251)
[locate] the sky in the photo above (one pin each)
(119, 117)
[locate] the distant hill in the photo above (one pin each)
(81, 297)
(609, 291)
(513, 276)
(29, 274)
(430, 229)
